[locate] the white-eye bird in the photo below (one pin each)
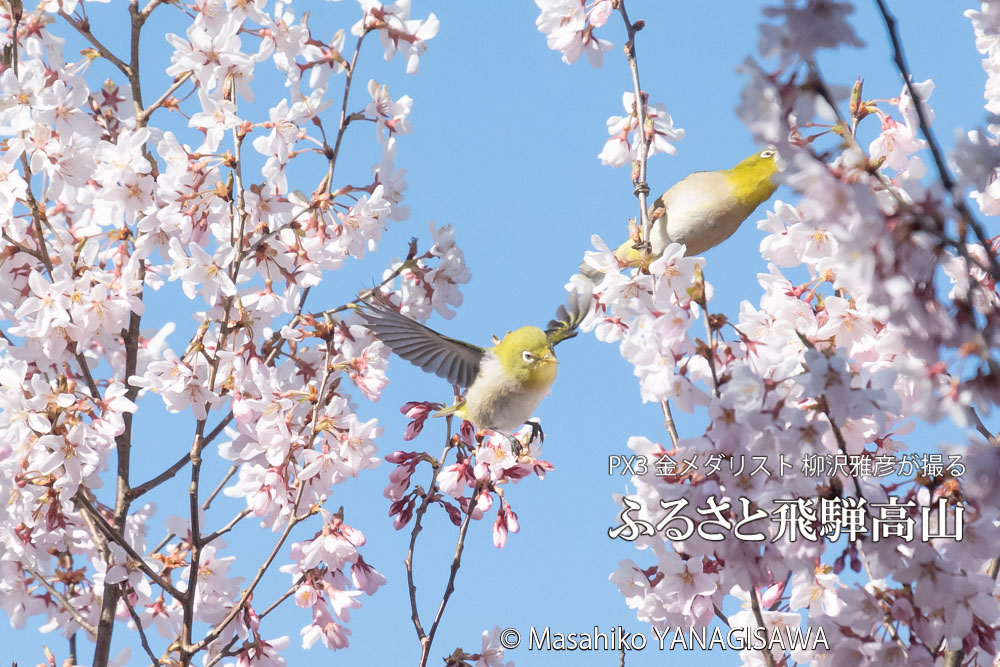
(505, 382)
(705, 208)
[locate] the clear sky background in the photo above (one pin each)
(504, 147)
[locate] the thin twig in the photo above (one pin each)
(242, 514)
(417, 527)
(97, 44)
(841, 443)
(641, 187)
(138, 624)
(204, 506)
(224, 653)
(957, 200)
(456, 563)
(293, 520)
(178, 82)
(344, 118)
(167, 474)
(89, 627)
(979, 425)
(111, 533)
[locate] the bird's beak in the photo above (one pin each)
(550, 358)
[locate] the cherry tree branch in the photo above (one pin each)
(668, 422)
(112, 533)
(456, 563)
(242, 514)
(138, 624)
(65, 603)
(293, 520)
(641, 190)
(417, 527)
(641, 186)
(944, 174)
(178, 82)
(224, 653)
(84, 30)
(345, 120)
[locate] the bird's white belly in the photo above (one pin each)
(701, 221)
(499, 402)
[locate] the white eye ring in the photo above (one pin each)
(527, 356)
(767, 153)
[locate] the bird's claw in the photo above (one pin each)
(536, 432)
(515, 445)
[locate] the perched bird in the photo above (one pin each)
(505, 382)
(705, 208)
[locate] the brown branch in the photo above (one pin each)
(20, 246)
(167, 474)
(344, 118)
(138, 624)
(293, 520)
(148, 9)
(977, 422)
(456, 563)
(97, 44)
(641, 190)
(841, 443)
(242, 514)
(417, 527)
(178, 82)
(91, 630)
(111, 533)
(957, 200)
(668, 422)
(131, 336)
(204, 506)
(224, 653)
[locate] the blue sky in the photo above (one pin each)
(504, 148)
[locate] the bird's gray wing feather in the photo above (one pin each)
(453, 360)
(564, 326)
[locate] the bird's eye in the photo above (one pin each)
(768, 153)
(527, 356)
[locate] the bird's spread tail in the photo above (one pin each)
(569, 317)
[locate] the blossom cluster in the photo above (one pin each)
(486, 461)
(878, 312)
(110, 192)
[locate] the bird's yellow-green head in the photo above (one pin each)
(527, 355)
(751, 179)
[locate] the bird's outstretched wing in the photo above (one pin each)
(453, 360)
(568, 319)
